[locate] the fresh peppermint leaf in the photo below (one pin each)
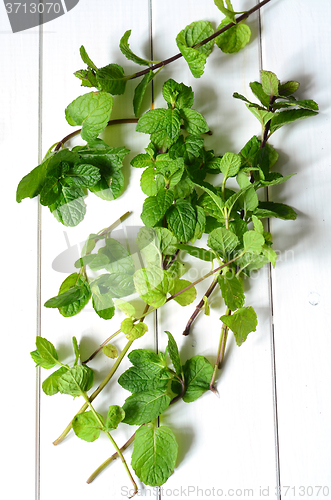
(137, 379)
(228, 10)
(153, 284)
(143, 407)
(65, 298)
(32, 183)
(160, 120)
(288, 88)
(154, 455)
(177, 95)
(253, 242)
(305, 104)
(242, 322)
(194, 122)
(278, 210)
(230, 164)
(263, 115)
(102, 302)
(110, 351)
(86, 426)
(82, 176)
(127, 52)
(146, 360)
(182, 219)
(142, 160)
(197, 374)
(206, 305)
(74, 281)
(186, 297)
(288, 116)
(155, 207)
(50, 384)
(270, 83)
(46, 355)
(258, 226)
(223, 242)
(69, 208)
(258, 91)
(199, 253)
(270, 254)
(92, 111)
(174, 353)
(76, 380)
(127, 308)
(86, 59)
(119, 259)
(232, 291)
(140, 91)
(250, 199)
(112, 79)
(234, 39)
(133, 331)
(115, 415)
(189, 38)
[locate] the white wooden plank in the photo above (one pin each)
(19, 154)
(220, 437)
(99, 27)
(296, 46)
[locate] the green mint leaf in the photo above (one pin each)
(102, 302)
(147, 360)
(201, 223)
(133, 331)
(50, 384)
(115, 415)
(242, 322)
(258, 91)
(182, 219)
(189, 148)
(65, 298)
(274, 178)
(230, 165)
(140, 91)
(190, 37)
(86, 58)
(278, 210)
(110, 351)
(234, 39)
(153, 284)
(194, 122)
(92, 111)
(232, 291)
(289, 116)
(138, 379)
(228, 10)
(197, 374)
(32, 183)
(50, 191)
(305, 104)
(127, 308)
(82, 176)
(86, 426)
(154, 454)
(69, 208)
(74, 281)
(119, 259)
(174, 353)
(258, 226)
(188, 296)
(143, 407)
(288, 88)
(155, 207)
(177, 95)
(270, 254)
(160, 120)
(76, 350)
(253, 242)
(250, 199)
(127, 52)
(76, 380)
(223, 242)
(270, 83)
(206, 305)
(199, 253)
(112, 79)
(262, 115)
(87, 77)
(46, 355)
(142, 160)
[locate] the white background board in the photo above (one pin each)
(270, 426)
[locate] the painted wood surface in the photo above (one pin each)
(270, 425)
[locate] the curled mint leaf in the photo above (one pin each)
(242, 322)
(112, 79)
(115, 415)
(235, 38)
(188, 43)
(92, 111)
(87, 427)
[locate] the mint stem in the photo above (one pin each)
(220, 352)
(200, 306)
(109, 460)
(206, 40)
(76, 132)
